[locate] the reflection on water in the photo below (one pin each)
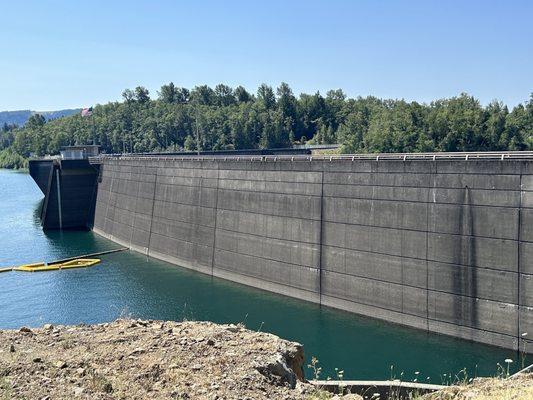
(129, 284)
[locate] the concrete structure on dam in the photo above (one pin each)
(69, 188)
(443, 245)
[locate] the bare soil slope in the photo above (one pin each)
(136, 359)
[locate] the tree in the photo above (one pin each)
(242, 95)
(266, 97)
(286, 101)
(142, 95)
(224, 95)
(494, 137)
(203, 95)
(335, 108)
(311, 109)
(353, 130)
(518, 134)
(168, 93)
(275, 134)
(190, 143)
(128, 95)
(36, 121)
(182, 95)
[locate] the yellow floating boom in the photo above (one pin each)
(76, 263)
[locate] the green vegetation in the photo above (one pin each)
(226, 118)
(11, 160)
(21, 116)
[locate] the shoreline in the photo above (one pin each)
(140, 359)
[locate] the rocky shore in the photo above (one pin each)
(136, 359)
(133, 359)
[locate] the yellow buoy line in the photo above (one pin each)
(76, 263)
(68, 263)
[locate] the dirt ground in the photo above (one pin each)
(133, 359)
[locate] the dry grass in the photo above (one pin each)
(518, 388)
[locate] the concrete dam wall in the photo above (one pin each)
(443, 246)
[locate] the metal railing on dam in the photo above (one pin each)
(440, 242)
(443, 156)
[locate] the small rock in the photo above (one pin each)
(108, 388)
(233, 328)
(48, 327)
(210, 342)
(138, 350)
(175, 331)
(12, 348)
(80, 371)
(25, 329)
(78, 391)
(37, 360)
(196, 367)
(60, 364)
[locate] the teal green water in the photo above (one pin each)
(129, 284)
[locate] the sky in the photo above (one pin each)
(57, 54)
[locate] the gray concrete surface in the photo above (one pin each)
(444, 246)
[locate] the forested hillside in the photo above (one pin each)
(20, 117)
(233, 118)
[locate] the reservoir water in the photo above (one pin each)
(130, 284)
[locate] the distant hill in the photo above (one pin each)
(20, 117)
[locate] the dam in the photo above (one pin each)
(439, 242)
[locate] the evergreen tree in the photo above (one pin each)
(168, 93)
(265, 96)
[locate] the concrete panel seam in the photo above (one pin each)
(265, 280)
(288, 263)
(519, 264)
(433, 183)
(152, 217)
(419, 230)
(238, 210)
(215, 225)
(321, 235)
(135, 217)
(409, 201)
(251, 191)
(418, 259)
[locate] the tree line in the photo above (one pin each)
(223, 118)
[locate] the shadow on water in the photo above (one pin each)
(37, 210)
(68, 243)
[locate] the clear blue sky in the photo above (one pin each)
(60, 54)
